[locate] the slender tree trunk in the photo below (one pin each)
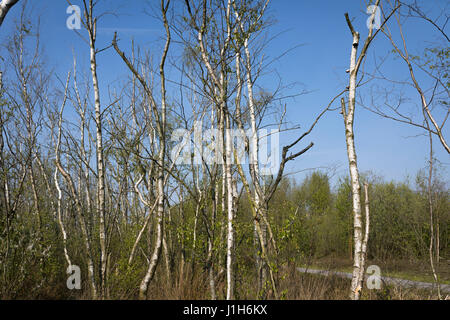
(261, 265)
(354, 174)
(159, 234)
(161, 163)
(60, 219)
(430, 205)
(437, 241)
(349, 115)
(366, 236)
(84, 157)
(211, 235)
(100, 165)
(167, 261)
(194, 241)
(230, 212)
(222, 257)
(212, 281)
(182, 243)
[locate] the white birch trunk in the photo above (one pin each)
(230, 211)
(161, 164)
(100, 167)
(60, 220)
(354, 174)
(5, 6)
(91, 24)
(366, 236)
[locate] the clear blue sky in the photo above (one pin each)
(385, 147)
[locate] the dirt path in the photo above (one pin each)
(445, 288)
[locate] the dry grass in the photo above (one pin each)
(293, 285)
(302, 286)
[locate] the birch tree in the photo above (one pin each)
(348, 113)
(244, 36)
(91, 26)
(217, 70)
(160, 115)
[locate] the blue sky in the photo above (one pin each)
(387, 148)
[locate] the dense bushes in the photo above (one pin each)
(318, 222)
(310, 220)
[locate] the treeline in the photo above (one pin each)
(320, 220)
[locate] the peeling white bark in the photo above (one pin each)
(354, 174)
(5, 6)
(92, 30)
